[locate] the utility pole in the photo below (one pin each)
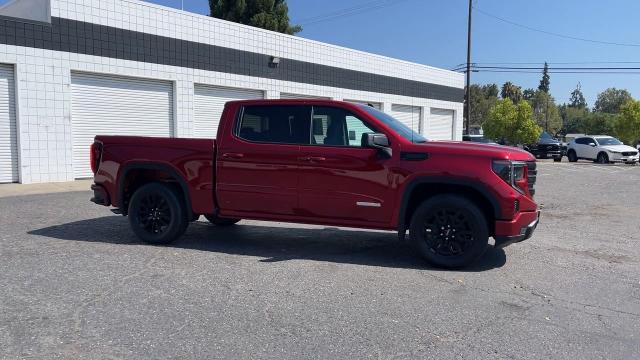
(546, 115)
(468, 93)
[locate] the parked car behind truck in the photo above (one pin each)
(602, 149)
(546, 147)
(322, 162)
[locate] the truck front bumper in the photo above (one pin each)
(519, 229)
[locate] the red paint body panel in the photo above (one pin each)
(331, 185)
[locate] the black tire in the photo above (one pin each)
(457, 219)
(571, 155)
(557, 159)
(602, 158)
(218, 221)
(157, 215)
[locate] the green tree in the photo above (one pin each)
(545, 112)
(545, 82)
(490, 90)
(573, 119)
(482, 98)
(528, 94)
(267, 14)
(627, 125)
(577, 98)
(599, 123)
(610, 100)
(511, 91)
(512, 123)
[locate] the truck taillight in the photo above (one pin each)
(513, 173)
(95, 154)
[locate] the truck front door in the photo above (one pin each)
(340, 180)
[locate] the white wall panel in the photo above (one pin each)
(113, 105)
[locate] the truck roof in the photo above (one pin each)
(291, 101)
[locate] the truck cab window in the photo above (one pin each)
(286, 124)
(337, 127)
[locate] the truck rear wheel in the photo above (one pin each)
(449, 231)
(218, 221)
(156, 214)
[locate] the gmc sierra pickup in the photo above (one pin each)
(322, 162)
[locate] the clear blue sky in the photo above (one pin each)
(433, 32)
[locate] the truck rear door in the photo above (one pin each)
(258, 161)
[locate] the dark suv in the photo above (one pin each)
(546, 147)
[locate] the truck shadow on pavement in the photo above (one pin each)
(271, 243)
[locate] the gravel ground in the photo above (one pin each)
(77, 284)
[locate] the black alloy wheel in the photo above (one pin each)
(156, 214)
(603, 158)
(571, 155)
(449, 231)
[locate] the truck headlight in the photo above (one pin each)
(513, 173)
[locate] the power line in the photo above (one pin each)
(554, 33)
(341, 11)
(556, 72)
(350, 11)
(557, 62)
(554, 68)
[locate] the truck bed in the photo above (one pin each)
(191, 159)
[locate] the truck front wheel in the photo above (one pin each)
(218, 221)
(449, 231)
(156, 214)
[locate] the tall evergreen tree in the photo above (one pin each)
(545, 82)
(267, 14)
(577, 98)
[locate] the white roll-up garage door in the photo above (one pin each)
(114, 105)
(8, 133)
(440, 124)
(374, 104)
(408, 115)
(300, 96)
(208, 104)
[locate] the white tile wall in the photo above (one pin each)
(43, 76)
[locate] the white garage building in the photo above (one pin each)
(130, 67)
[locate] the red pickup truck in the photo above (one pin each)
(322, 162)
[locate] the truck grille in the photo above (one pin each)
(532, 173)
(629, 153)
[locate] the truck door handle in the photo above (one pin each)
(232, 156)
(312, 158)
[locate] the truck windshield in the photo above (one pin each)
(400, 128)
(545, 136)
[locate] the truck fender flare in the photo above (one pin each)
(153, 166)
(445, 180)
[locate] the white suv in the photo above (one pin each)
(601, 149)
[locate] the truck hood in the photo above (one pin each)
(618, 148)
(470, 149)
(548, 141)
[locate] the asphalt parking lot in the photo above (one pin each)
(76, 284)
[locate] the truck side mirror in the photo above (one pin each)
(377, 141)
